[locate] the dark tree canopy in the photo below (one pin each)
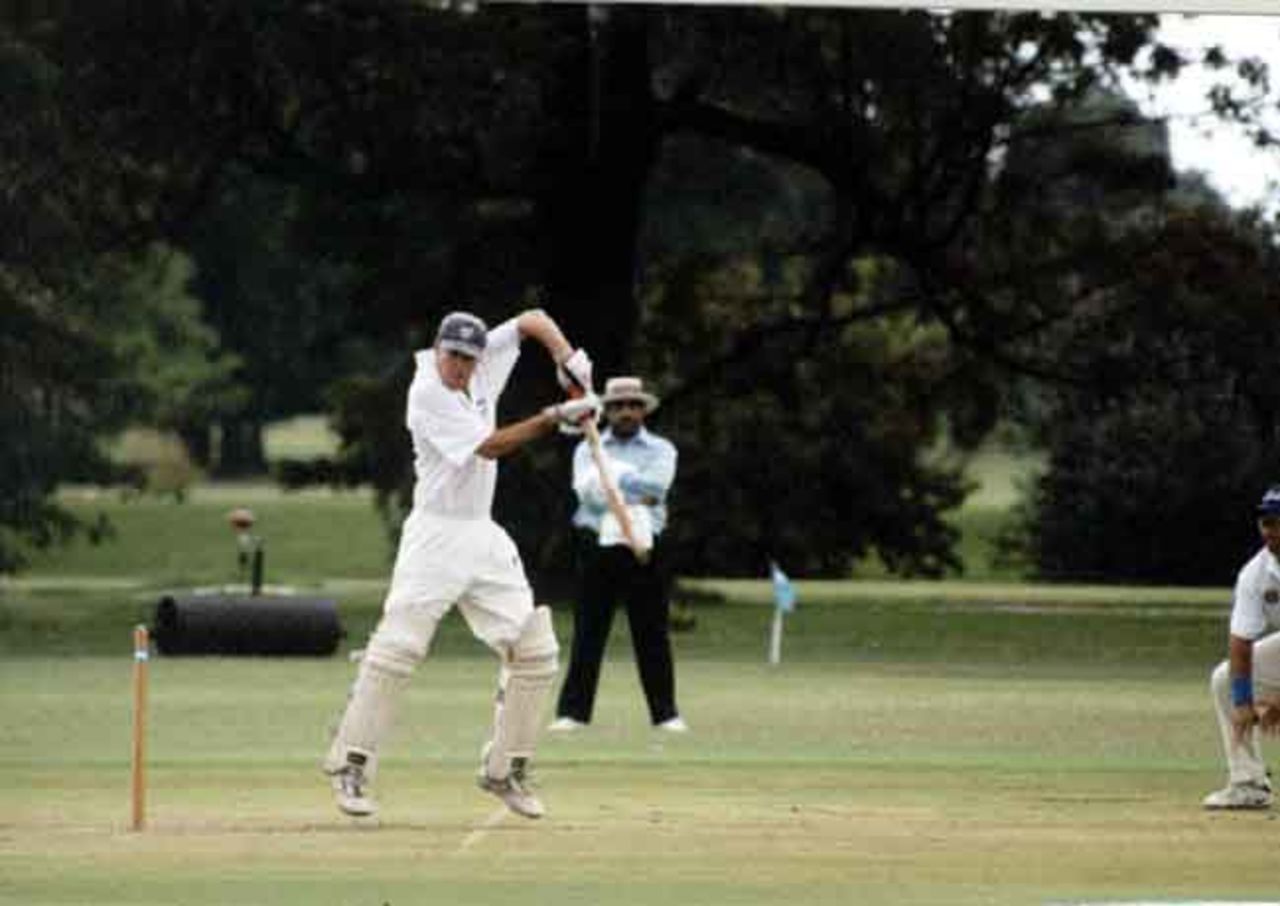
(816, 216)
(1157, 459)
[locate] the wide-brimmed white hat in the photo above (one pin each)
(619, 389)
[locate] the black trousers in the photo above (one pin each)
(607, 575)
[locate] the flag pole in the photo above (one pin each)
(775, 638)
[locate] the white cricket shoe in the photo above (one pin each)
(566, 725)
(349, 792)
(1240, 796)
(673, 725)
(513, 789)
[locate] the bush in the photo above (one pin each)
(156, 463)
(1159, 490)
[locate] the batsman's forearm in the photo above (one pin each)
(509, 438)
(539, 325)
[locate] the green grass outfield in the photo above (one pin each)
(976, 742)
(832, 782)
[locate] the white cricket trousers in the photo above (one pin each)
(1244, 760)
(473, 563)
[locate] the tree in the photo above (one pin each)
(896, 172)
(177, 374)
(529, 142)
(89, 338)
(1157, 460)
(49, 368)
(811, 454)
(280, 306)
(86, 351)
(1146, 305)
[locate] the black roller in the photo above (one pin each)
(248, 624)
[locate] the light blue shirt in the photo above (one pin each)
(654, 461)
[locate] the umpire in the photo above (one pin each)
(644, 466)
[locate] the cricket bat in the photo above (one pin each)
(617, 505)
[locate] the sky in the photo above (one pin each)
(1197, 141)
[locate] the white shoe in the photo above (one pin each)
(514, 790)
(566, 725)
(1240, 796)
(673, 725)
(349, 794)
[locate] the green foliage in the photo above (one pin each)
(53, 362)
(1154, 465)
(278, 305)
(426, 158)
(1096, 155)
(810, 450)
(177, 373)
(92, 333)
(122, 344)
(51, 355)
(1157, 488)
(156, 462)
(375, 448)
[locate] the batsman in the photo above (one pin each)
(452, 552)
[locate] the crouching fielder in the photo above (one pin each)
(452, 552)
(1246, 686)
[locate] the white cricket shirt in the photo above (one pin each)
(1257, 597)
(448, 425)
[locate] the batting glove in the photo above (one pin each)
(575, 412)
(574, 373)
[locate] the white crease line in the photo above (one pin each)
(497, 817)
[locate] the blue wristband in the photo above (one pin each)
(1241, 690)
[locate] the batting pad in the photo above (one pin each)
(526, 678)
(371, 710)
